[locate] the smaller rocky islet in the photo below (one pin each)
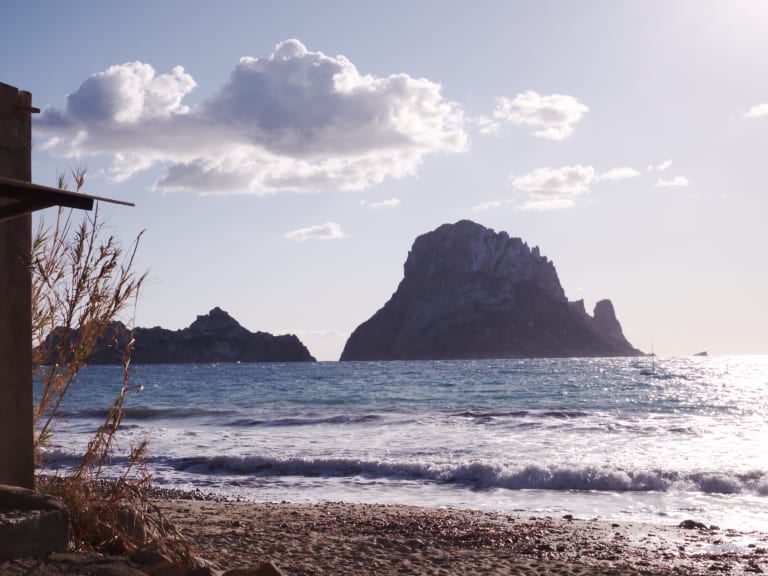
(213, 337)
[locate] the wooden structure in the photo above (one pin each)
(18, 199)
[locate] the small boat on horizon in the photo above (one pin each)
(650, 371)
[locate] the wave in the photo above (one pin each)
(556, 414)
(482, 475)
(148, 413)
(226, 417)
(306, 420)
(221, 417)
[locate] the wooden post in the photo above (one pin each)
(17, 465)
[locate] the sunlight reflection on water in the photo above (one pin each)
(581, 436)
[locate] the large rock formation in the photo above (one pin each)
(469, 292)
(214, 337)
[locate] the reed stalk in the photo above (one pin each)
(83, 280)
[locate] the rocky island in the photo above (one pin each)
(469, 292)
(213, 337)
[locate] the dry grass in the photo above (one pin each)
(84, 279)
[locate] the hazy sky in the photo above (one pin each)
(283, 156)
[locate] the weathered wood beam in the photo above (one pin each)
(17, 197)
(17, 466)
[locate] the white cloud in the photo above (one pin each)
(553, 188)
(757, 111)
(128, 94)
(327, 231)
(487, 205)
(487, 124)
(676, 182)
(622, 173)
(660, 167)
(391, 203)
(297, 120)
(550, 188)
(552, 115)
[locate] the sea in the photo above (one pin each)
(549, 437)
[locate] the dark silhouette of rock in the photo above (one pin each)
(213, 337)
(469, 292)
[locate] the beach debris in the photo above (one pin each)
(693, 525)
(31, 524)
(263, 569)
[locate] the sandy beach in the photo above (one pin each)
(286, 539)
(362, 539)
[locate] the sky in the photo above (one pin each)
(284, 155)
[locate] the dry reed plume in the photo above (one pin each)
(83, 280)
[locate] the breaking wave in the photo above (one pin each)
(481, 475)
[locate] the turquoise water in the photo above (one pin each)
(581, 436)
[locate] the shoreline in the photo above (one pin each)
(230, 536)
(379, 539)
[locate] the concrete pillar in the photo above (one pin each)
(16, 434)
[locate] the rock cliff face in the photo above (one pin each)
(469, 292)
(214, 337)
